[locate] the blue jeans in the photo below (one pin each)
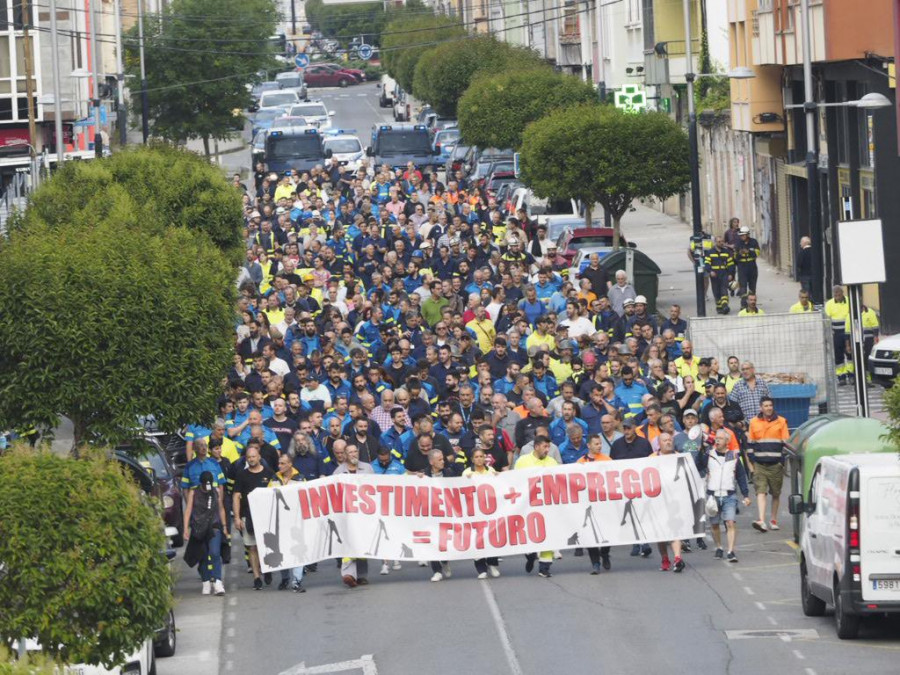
(211, 566)
(295, 574)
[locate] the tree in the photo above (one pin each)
(111, 324)
(199, 56)
(409, 36)
(82, 558)
(359, 18)
(892, 406)
(444, 72)
(155, 187)
(599, 154)
(496, 108)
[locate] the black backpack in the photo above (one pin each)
(205, 514)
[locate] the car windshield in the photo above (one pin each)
(294, 147)
(309, 110)
(290, 80)
(268, 115)
(395, 141)
(279, 98)
(447, 137)
(504, 180)
(343, 145)
(148, 456)
(460, 151)
(543, 207)
(592, 240)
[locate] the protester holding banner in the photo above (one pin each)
(538, 458)
(253, 476)
(480, 470)
(440, 568)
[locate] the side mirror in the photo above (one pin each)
(331, 113)
(796, 507)
(328, 153)
(631, 244)
(370, 151)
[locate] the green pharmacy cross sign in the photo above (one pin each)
(631, 98)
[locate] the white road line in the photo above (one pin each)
(748, 590)
(511, 658)
(810, 671)
(366, 663)
(771, 620)
(799, 654)
(737, 576)
(232, 601)
(761, 607)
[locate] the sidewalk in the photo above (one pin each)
(666, 240)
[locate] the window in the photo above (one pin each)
(570, 18)
(866, 138)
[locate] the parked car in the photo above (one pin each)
(331, 75)
(444, 142)
(314, 112)
(850, 539)
(455, 161)
(278, 98)
(263, 119)
(293, 80)
(504, 192)
(573, 239)
(150, 454)
(257, 90)
(541, 210)
(141, 662)
(884, 360)
(489, 161)
(498, 179)
(387, 91)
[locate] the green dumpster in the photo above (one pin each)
(826, 435)
(645, 273)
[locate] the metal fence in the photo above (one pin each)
(787, 347)
(14, 197)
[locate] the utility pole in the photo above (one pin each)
(95, 60)
(817, 284)
(696, 216)
(122, 114)
(57, 100)
(145, 103)
(29, 77)
(293, 20)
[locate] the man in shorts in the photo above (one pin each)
(766, 436)
(725, 476)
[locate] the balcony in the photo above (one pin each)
(570, 38)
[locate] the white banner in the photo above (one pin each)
(419, 518)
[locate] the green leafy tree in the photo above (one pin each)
(199, 56)
(155, 187)
(892, 406)
(110, 324)
(495, 109)
(409, 36)
(444, 72)
(30, 664)
(601, 155)
(345, 21)
(83, 569)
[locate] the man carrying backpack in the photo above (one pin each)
(204, 529)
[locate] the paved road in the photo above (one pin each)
(632, 619)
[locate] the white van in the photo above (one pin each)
(387, 92)
(850, 540)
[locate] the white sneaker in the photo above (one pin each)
(385, 569)
(483, 575)
(219, 587)
(396, 565)
(446, 569)
(437, 576)
(207, 588)
(494, 570)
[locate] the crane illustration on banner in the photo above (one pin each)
(375, 544)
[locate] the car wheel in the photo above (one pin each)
(343, 83)
(166, 645)
(847, 624)
(812, 605)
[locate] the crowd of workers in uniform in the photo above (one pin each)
(393, 323)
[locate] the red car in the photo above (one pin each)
(571, 241)
(331, 75)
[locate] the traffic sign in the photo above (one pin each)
(301, 60)
(365, 52)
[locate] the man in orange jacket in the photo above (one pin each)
(766, 436)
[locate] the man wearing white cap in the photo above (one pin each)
(745, 255)
(641, 315)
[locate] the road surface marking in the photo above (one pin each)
(366, 663)
(799, 654)
(810, 671)
(511, 657)
(748, 590)
(792, 544)
(232, 601)
(772, 620)
(785, 634)
(737, 576)
(761, 607)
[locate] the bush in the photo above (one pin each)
(82, 554)
(110, 325)
(496, 108)
(152, 187)
(408, 37)
(443, 73)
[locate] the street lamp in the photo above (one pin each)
(739, 73)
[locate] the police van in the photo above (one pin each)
(850, 540)
(298, 148)
(399, 144)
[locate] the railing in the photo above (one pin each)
(14, 197)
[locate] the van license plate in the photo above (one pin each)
(886, 585)
(883, 371)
